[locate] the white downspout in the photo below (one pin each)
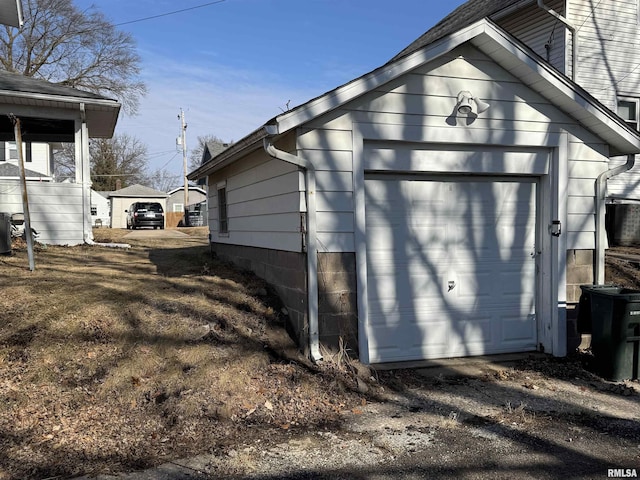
(312, 242)
(574, 38)
(601, 185)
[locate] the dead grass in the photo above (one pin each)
(114, 359)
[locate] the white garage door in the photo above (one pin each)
(450, 267)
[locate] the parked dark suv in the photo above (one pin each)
(145, 214)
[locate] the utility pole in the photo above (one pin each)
(183, 130)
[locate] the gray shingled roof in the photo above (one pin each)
(463, 16)
(138, 191)
(15, 82)
(12, 170)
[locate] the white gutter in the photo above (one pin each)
(102, 102)
(574, 38)
(312, 242)
(601, 184)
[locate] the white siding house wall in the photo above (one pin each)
(609, 60)
(40, 157)
(609, 54)
(55, 208)
(265, 198)
(418, 108)
(102, 208)
(541, 32)
(625, 186)
(330, 150)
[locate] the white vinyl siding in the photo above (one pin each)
(265, 198)
(586, 162)
(36, 156)
(55, 208)
(331, 152)
(609, 56)
(541, 32)
(102, 209)
(626, 186)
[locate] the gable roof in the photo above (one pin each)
(504, 49)
(13, 171)
(191, 187)
(138, 191)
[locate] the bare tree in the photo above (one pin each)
(80, 49)
(216, 145)
(122, 157)
(164, 180)
(64, 166)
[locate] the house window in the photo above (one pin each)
(628, 111)
(13, 150)
(223, 220)
(178, 207)
(28, 157)
(94, 210)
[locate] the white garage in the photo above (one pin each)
(451, 266)
(428, 209)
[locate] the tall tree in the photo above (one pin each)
(80, 49)
(122, 158)
(216, 145)
(164, 180)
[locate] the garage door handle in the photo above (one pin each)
(452, 285)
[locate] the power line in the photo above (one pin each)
(169, 13)
(169, 161)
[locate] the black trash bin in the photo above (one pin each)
(5, 233)
(613, 315)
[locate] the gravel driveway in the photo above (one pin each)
(537, 418)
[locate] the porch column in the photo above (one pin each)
(83, 174)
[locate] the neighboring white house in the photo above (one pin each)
(51, 113)
(432, 202)
(175, 200)
(38, 157)
(100, 209)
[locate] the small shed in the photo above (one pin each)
(123, 198)
(435, 207)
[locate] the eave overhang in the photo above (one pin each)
(101, 114)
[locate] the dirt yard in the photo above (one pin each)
(117, 360)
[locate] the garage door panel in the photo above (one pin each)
(389, 290)
(430, 341)
(518, 329)
(474, 335)
(449, 268)
(493, 241)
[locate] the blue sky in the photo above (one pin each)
(233, 65)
